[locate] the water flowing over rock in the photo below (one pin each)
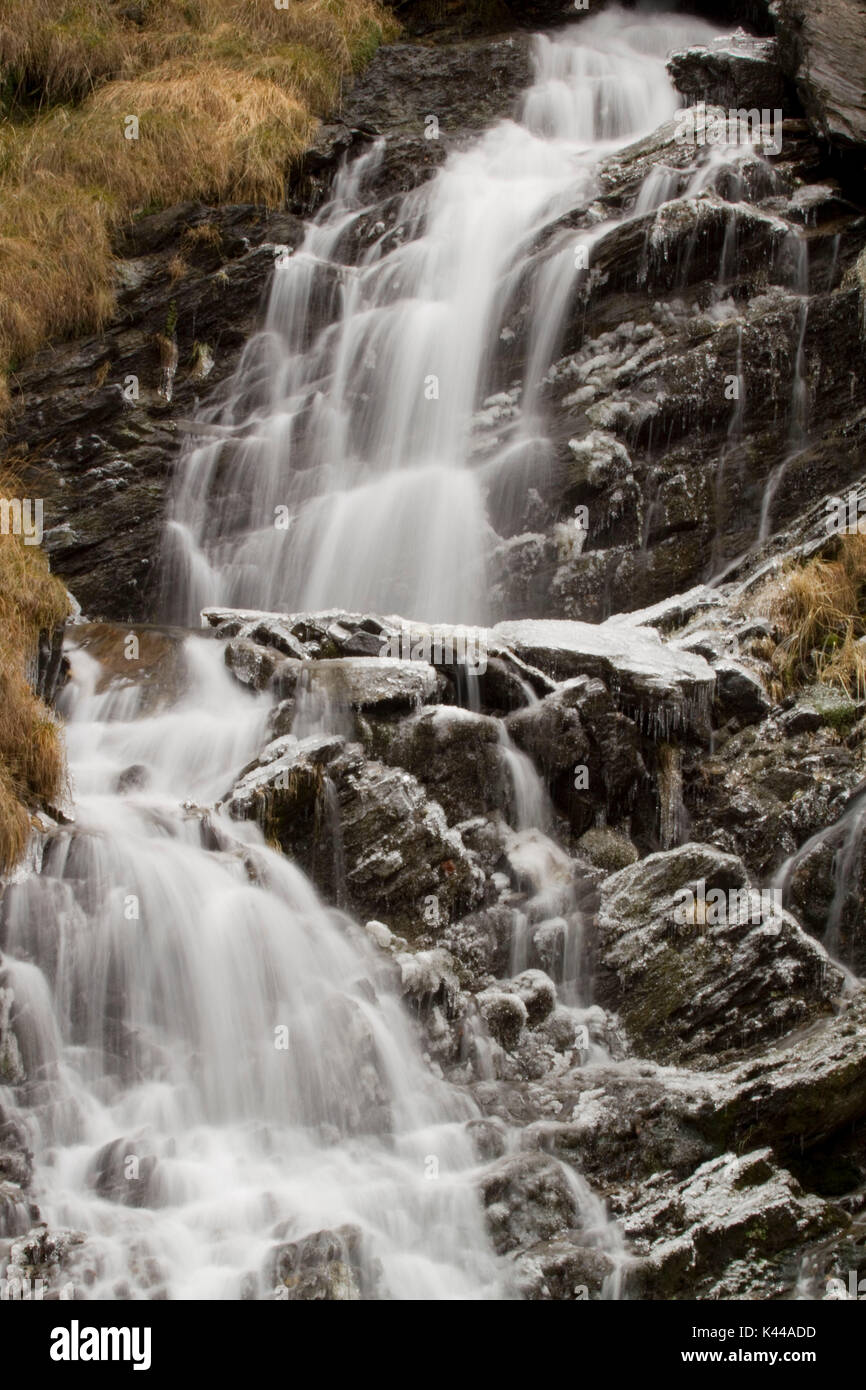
(456, 897)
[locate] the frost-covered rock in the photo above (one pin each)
(250, 663)
(49, 1256)
(505, 1015)
(607, 848)
(805, 1090)
(527, 1198)
(538, 993)
(564, 1271)
(734, 1208)
(698, 962)
(456, 754)
(381, 686)
(733, 71)
(663, 688)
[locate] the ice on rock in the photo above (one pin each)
(664, 688)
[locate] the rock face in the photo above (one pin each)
(823, 49)
(641, 432)
(366, 834)
(704, 1236)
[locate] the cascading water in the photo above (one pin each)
(360, 431)
(211, 1062)
(177, 948)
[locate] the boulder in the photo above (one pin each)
(376, 686)
(250, 663)
(527, 1198)
(739, 71)
(367, 834)
(563, 1271)
(801, 1092)
(538, 993)
(659, 686)
(740, 693)
(734, 1215)
(454, 752)
(329, 1265)
(505, 1015)
(698, 963)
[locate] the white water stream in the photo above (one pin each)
(361, 429)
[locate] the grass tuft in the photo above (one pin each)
(32, 768)
(820, 610)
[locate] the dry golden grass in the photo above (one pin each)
(227, 94)
(820, 608)
(31, 751)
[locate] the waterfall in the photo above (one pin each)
(798, 414)
(350, 414)
(189, 1011)
(213, 1062)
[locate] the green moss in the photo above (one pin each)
(664, 989)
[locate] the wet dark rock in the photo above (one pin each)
(133, 778)
(125, 1171)
(366, 834)
(455, 753)
(576, 727)
(739, 692)
(822, 47)
(52, 667)
(802, 719)
(103, 474)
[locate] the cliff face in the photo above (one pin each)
(647, 795)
